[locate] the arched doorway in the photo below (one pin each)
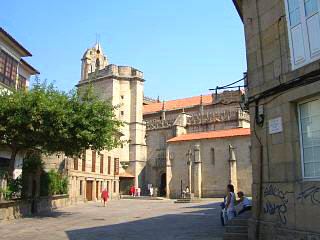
(163, 184)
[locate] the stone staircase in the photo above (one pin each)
(237, 228)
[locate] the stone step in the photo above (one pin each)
(235, 236)
(236, 229)
(140, 198)
(239, 222)
(187, 201)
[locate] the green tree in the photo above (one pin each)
(48, 120)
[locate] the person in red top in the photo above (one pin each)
(132, 190)
(104, 196)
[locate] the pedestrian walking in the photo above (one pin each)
(105, 196)
(132, 191)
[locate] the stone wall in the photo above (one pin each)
(24, 208)
(285, 204)
(215, 166)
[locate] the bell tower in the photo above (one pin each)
(93, 60)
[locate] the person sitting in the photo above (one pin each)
(246, 203)
(229, 210)
(186, 192)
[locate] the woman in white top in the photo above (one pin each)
(230, 202)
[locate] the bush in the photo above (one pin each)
(53, 183)
(13, 190)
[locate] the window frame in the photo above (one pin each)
(84, 161)
(305, 36)
(109, 164)
(9, 74)
(101, 163)
(93, 161)
(21, 82)
(116, 166)
(316, 178)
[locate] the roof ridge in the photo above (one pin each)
(222, 133)
(203, 95)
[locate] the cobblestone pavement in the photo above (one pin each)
(123, 219)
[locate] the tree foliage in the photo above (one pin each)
(49, 120)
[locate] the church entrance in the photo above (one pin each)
(163, 184)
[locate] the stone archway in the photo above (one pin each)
(163, 183)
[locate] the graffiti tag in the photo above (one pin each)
(312, 193)
(273, 208)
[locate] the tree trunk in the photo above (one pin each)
(14, 152)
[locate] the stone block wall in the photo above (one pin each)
(215, 166)
(23, 208)
(285, 205)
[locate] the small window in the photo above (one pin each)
(309, 121)
(213, 157)
(122, 97)
(122, 113)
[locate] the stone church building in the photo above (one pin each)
(210, 132)
(201, 142)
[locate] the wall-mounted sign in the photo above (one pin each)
(275, 125)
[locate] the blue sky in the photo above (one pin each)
(183, 47)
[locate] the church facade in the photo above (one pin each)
(202, 143)
(209, 132)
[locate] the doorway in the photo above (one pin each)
(89, 190)
(163, 184)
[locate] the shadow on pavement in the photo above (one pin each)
(200, 225)
(51, 214)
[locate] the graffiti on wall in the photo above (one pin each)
(312, 194)
(276, 202)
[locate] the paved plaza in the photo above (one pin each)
(123, 219)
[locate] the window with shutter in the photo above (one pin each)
(309, 121)
(101, 163)
(84, 161)
(109, 165)
(304, 31)
(93, 161)
(116, 166)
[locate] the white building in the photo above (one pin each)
(15, 73)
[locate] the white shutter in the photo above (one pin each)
(299, 54)
(313, 26)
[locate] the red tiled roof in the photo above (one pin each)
(177, 104)
(235, 132)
